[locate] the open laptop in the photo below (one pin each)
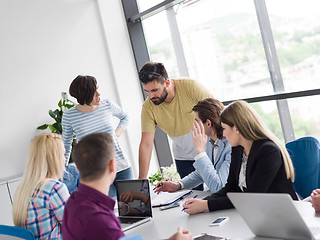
(134, 202)
(272, 215)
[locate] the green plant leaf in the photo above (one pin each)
(52, 114)
(58, 127)
(156, 177)
(60, 103)
(52, 128)
(64, 103)
(69, 106)
(59, 116)
(43, 127)
(57, 113)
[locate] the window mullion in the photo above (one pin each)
(177, 43)
(274, 68)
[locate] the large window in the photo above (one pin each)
(223, 48)
(245, 49)
(296, 30)
(304, 115)
(160, 46)
(146, 4)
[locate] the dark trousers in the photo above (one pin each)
(184, 167)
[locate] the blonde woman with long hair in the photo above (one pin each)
(259, 161)
(40, 198)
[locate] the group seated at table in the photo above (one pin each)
(259, 163)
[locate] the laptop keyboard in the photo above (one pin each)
(128, 220)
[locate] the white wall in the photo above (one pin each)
(44, 45)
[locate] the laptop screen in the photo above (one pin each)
(134, 198)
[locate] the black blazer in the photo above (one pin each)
(265, 174)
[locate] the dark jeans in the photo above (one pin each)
(184, 167)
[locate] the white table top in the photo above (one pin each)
(165, 223)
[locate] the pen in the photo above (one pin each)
(193, 197)
(161, 184)
(182, 197)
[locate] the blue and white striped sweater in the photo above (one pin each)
(100, 120)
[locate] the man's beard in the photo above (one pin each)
(159, 100)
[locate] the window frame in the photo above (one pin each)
(140, 50)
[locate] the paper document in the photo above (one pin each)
(165, 198)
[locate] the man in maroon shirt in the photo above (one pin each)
(89, 212)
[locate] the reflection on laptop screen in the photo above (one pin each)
(134, 198)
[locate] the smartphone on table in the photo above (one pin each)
(219, 221)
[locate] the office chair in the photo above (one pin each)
(305, 153)
(15, 233)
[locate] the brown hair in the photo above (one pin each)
(83, 89)
(241, 115)
(210, 109)
(92, 155)
(153, 71)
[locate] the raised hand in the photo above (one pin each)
(199, 137)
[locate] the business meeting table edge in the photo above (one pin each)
(165, 223)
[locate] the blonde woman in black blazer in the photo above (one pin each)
(259, 161)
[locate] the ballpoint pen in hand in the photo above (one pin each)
(161, 184)
(193, 197)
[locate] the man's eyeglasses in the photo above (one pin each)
(149, 75)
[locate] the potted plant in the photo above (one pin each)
(63, 105)
(168, 173)
(56, 127)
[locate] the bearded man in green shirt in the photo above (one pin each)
(169, 106)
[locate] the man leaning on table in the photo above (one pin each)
(169, 106)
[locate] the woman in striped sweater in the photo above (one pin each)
(92, 115)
